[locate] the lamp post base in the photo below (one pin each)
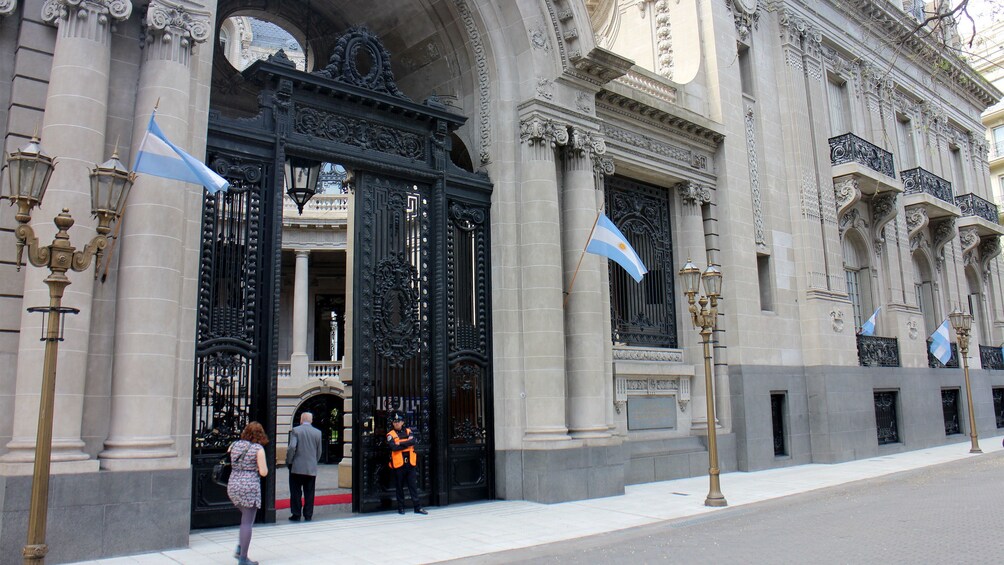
(716, 502)
(975, 450)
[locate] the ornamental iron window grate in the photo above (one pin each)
(991, 358)
(777, 410)
(998, 394)
(950, 407)
(934, 363)
(886, 417)
(849, 148)
(875, 351)
(643, 314)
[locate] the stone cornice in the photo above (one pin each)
(7, 7)
(894, 23)
(615, 101)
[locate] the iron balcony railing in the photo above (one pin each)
(849, 148)
(933, 362)
(991, 358)
(972, 205)
(874, 351)
(918, 180)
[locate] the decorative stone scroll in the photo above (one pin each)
(916, 220)
(746, 14)
(883, 208)
(97, 12)
(481, 66)
(694, 193)
(942, 232)
(7, 7)
(538, 130)
(759, 230)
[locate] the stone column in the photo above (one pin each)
(584, 342)
(693, 196)
(301, 310)
(541, 280)
(152, 247)
(73, 129)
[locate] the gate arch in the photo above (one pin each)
(421, 294)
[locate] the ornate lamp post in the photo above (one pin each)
(30, 169)
(301, 180)
(705, 318)
(962, 324)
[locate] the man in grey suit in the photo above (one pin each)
(302, 457)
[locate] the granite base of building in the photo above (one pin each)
(100, 514)
(828, 414)
(560, 475)
(663, 460)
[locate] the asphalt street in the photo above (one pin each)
(949, 513)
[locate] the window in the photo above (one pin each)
(950, 407)
(904, 136)
(839, 106)
(958, 172)
(1000, 184)
(886, 416)
(745, 70)
(766, 289)
(924, 287)
(856, 270)
(998, 141)
(777, 420)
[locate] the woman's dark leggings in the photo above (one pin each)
(247, 520)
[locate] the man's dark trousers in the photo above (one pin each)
(301, 485)
(406, 474)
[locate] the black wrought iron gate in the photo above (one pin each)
(421, 295)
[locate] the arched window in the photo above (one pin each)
(924, 287)
(977, 308)
(858, 277)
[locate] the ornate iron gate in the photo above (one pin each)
(421, 294)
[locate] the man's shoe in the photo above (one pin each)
(237, 552)
(400, 510)
(246, 561)
(305, 519)
(421, 511)
(294, 518)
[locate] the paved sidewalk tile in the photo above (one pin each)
(446, 533)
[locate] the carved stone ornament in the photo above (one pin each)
(916, 220)
(55, 11)
(538, 39)
(188, 20)
(969, 238)
(545, 89)
(538, 130)
(640, 354)
(990, 248)
(481, 67)
(7, 7)
(883, 211)
(584, 143)
(847, 193)
(912, 329)
(694, 193)
(360, 59)
(746, 14)
(603, 166)
(942, 232)
(837, 320)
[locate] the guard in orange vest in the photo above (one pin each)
(404, 462)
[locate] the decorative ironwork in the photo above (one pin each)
(933, 362)
(396, 331)
(998, 394)
(777, 410)
(950, 407)
(874, 351)
(643, 314)
(991, 358)
(886, 417)
(973, 205)
(361, 60)
(922, 181)
(849, 148)
(357, 132)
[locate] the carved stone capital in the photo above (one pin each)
(7, 7)
(538, 130)
(694, 193)
(584, 143)
(746, 14)
(99, 11)
(603, 166)
(166, 20)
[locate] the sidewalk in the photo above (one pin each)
(478, 528)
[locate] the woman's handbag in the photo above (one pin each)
(222, 469)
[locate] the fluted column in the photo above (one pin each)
(584, 342)
(149, 312)
(692, 197)
(541, 280)
(73, 129)
(301, 310)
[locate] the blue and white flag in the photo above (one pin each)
(609, 242)
(161, 158)
(868, 328)
(941, 347)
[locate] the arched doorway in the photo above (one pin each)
(327, 412)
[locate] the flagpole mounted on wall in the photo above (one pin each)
(571, 283)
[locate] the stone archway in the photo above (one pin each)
(327, 410)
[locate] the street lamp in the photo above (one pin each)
(705, 319)
(30, 170)
(301, 180)
(962, 324)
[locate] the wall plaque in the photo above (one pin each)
(648, 413)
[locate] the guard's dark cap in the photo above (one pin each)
(396, 416)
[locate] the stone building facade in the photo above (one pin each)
(830, 169)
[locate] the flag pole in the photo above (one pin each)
(571, 283)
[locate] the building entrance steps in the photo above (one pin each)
(446, 533)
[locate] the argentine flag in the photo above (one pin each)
(868, 328)
(161, 158)
(941, 347)
(609, 242)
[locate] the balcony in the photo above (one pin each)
(980, 214)
(925, 189)
(933, 362)
(874, 351)
(991, 358)
(322, 208)
(316, 369)
(869, 165)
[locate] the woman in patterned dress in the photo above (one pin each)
(244, 488)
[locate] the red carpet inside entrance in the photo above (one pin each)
(325, 500)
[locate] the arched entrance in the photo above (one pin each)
(327, 412)
(420, 280)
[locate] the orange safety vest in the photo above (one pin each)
(397, 457)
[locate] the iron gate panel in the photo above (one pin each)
(233, 351)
